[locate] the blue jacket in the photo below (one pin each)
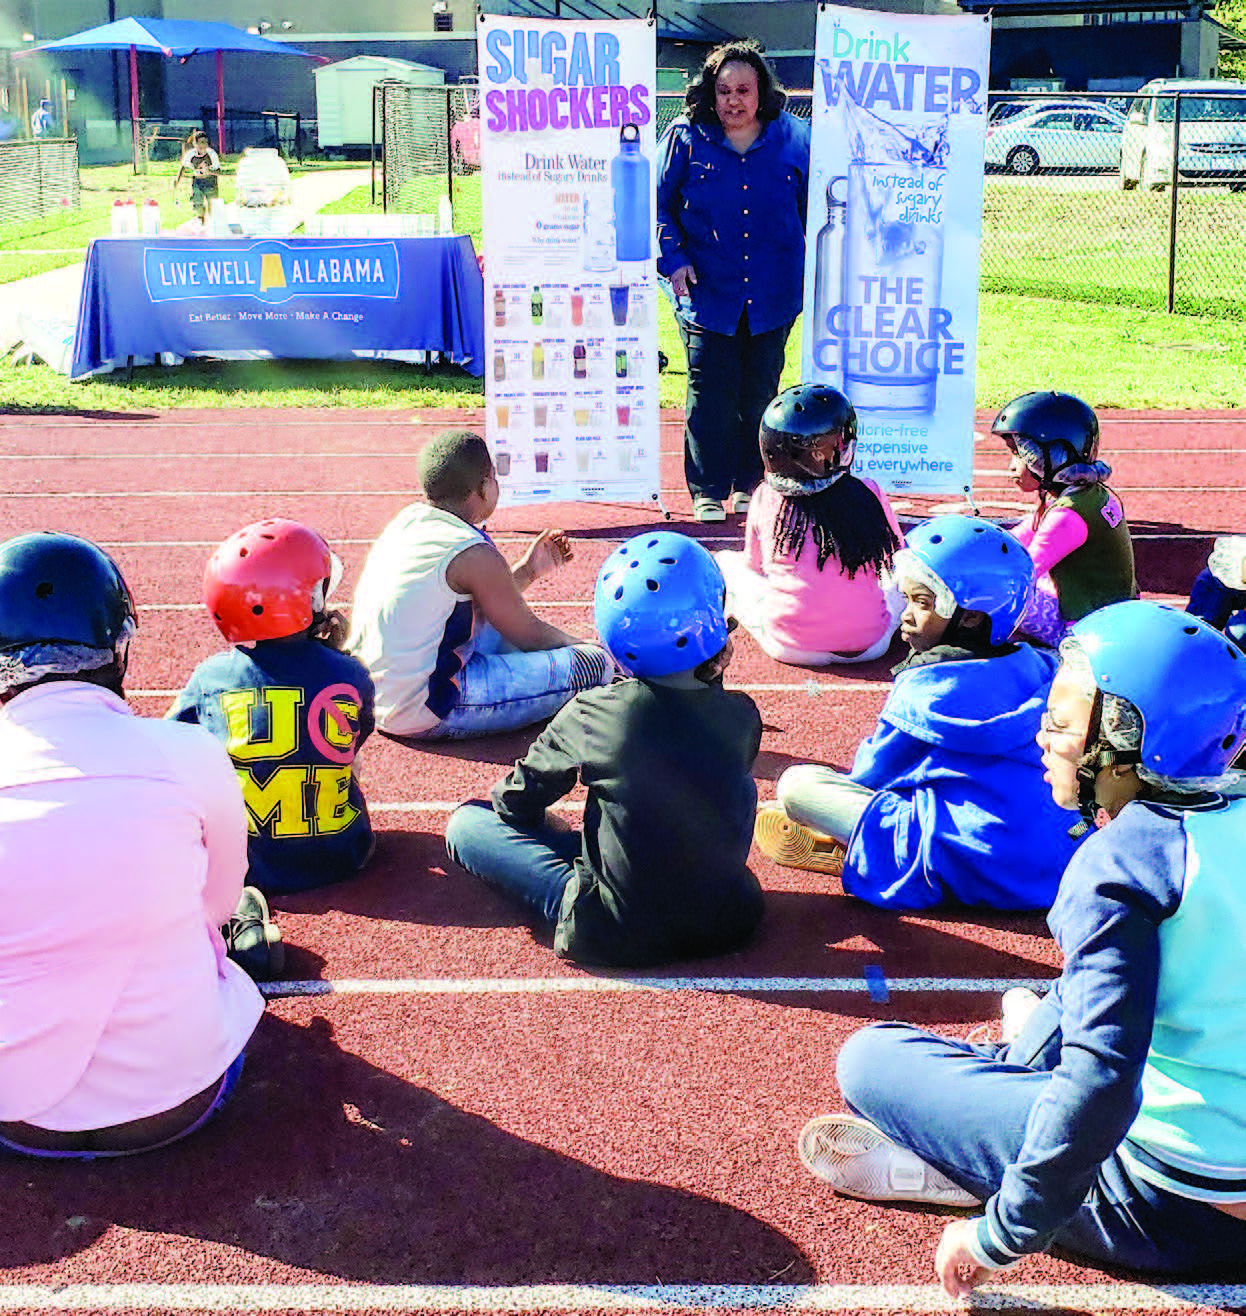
(738, 220)
(961, 811)
(1150, 919)
(292, 713)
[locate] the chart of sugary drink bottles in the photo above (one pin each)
(570, 285)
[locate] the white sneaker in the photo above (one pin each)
(738, 503)
(708, 509)
(859, 1160)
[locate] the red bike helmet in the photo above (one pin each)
(267, 581)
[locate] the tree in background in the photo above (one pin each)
(1232, 13)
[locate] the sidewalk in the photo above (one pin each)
(55, 295)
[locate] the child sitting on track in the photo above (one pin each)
(1114, 1126)
(439, 617)
(659, 872)
(122, 849)
(810, 584)
(1218, 594)
(945, 801)
(288, 705)
(1080, 545)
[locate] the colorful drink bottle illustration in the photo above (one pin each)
(579, 361)
(828, 288)
(629, 178)
(538, 306)
(620, 364)
(577, 307)
(499, 308)
(538, 360)
(893, 262)
(499, 366)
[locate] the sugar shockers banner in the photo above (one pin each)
(567, 146)
(895, 223)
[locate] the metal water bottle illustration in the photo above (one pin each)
(629, 177)
(828, 287)
(888, 325)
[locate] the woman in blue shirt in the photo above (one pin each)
(732, 183)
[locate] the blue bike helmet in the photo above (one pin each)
(1186, 680)
(62, 590)
(659, 604)
(970, 564)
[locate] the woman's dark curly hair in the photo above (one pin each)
(699, 96)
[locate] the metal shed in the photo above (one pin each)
(344, 94)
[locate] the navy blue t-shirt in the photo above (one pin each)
(292, 713)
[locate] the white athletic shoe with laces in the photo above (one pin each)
(859, 1160)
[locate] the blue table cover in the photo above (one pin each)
(292, 297)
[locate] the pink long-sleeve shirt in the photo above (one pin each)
(123, 846)
(807, 609)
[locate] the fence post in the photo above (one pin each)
(1172, 206)
(450, 149)
(372, 146)
(384, 150)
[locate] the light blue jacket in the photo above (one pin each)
(961, 811)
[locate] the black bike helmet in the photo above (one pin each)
(1050, 432)
(808, 434)
(61, 590)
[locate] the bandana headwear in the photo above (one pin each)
(1227, 561)
(25, 666)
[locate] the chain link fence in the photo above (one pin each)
(425, 139)
(1134, 201)
(38, 177)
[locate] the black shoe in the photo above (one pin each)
(253, 939)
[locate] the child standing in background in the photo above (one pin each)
(946, 800)
(811, 585)
(204, 165)
(1080, 545)
(289, 706)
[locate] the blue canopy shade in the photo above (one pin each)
(171, 37)
(174, 38)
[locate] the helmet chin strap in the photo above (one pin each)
(1099, 755)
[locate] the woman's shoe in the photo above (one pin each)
(795, 846)
(708, 509)
(738, 503)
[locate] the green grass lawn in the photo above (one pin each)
(1112, 352)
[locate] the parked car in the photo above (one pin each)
(1071, 137)
(1213, 134)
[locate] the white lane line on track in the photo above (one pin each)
(980, 495)
(527, 539)
(1125, 1297)
(873, 984)
(815, 689)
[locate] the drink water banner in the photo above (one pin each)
(895, 223)
(571, 361)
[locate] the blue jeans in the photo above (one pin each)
(229, 1081)
(502, 688)
(731, 380)
(964, 1108)
(530, 868)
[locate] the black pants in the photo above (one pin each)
(731, 379)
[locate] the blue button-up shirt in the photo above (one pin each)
(738, 220)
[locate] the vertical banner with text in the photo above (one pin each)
(895, 225)
(567, 147)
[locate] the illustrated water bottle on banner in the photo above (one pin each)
(895, 205)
